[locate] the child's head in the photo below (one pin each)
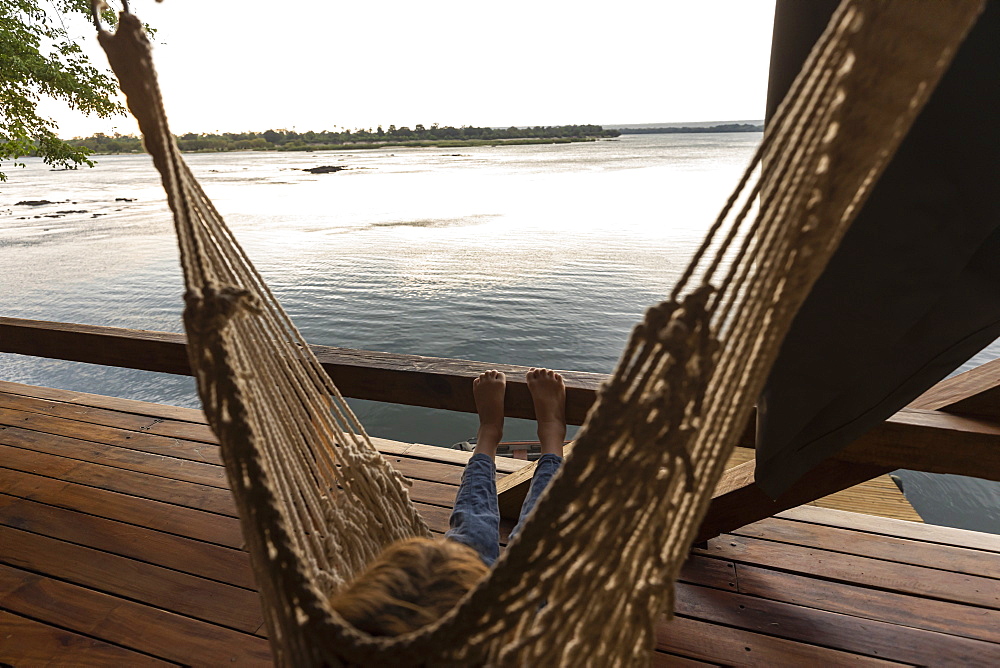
(413, 582)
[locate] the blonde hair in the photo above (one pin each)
(413, 583)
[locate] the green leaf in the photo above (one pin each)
(40, 58)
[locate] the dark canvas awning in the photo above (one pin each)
(914, 289)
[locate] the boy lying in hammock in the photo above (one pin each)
(416, 581)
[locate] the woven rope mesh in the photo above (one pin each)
(591, 571)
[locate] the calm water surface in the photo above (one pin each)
(536, 255)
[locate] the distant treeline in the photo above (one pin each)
(288, 140)
(727, 127)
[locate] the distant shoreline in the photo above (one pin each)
(429, 143)
(347, 140)
(692, 129)
(366, 146)
(363, 140)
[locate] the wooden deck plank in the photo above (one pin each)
(132, 440)
(928, 533)
(830, 629)
(190, 495)
(81, 412)
(165, 466)
(811, 596)
(433, 493)
(860, 601)
(878, 496)
(212, 475)
(175, 552)
(210, 601)
(420, 469)
(26, 642)
(901, 550)
(731, 646)
(709, 572)
(191, 448)
(426, 474)
(436, 517)
(433, 453)
(164, 411)
(767, 582)
(149, 486)
(890, 576)
(161, 633)
(664, 660)
(423, 490)
(157, 515)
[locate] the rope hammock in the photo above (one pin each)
(585, 580)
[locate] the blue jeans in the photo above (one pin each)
(475, 521)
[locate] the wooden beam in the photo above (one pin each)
(413, 380)
(920, 440)
(738, 501)
(164, 352)
(437, 382)
(975, 392)
(931, 441)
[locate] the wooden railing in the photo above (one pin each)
(953, 428)
(413, 380)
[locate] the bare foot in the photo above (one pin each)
(548, 391)
(488, 390)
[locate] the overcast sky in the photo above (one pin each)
(234, 65)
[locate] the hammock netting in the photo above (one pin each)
(594, 566)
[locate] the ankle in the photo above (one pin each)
(551, 437)
(554, 430)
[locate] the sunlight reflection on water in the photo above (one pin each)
(523, 254)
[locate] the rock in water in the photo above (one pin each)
(325, 169)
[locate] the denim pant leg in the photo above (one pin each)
(475, 520)
(545, 468)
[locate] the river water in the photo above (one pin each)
(537, 255)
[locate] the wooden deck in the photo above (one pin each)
(119, 545)
(878, 496)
